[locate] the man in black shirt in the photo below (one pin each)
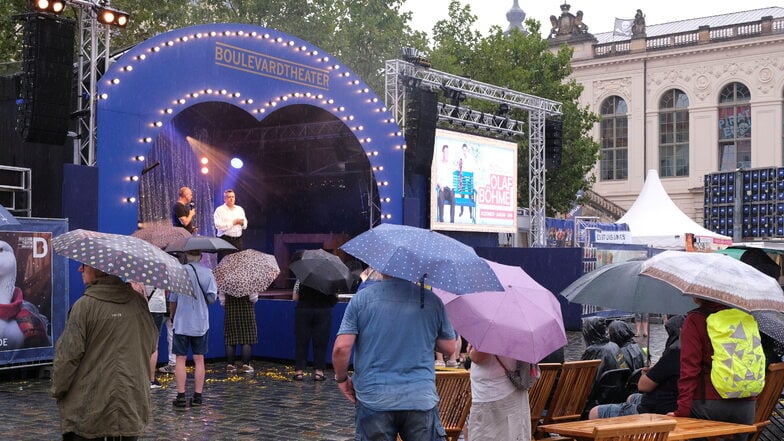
(183, 211)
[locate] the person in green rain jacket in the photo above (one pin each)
(101, 371)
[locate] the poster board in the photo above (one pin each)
(33, 292)
(473, 183)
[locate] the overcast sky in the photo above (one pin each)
(599, 15)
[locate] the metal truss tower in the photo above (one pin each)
(93, 49)
(398, 72)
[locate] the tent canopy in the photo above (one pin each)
(656, 221)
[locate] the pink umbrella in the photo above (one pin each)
(161, 233)
(523, 321)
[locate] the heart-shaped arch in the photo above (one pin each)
(165, 83)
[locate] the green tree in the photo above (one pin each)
(525, 63)
(11, 35)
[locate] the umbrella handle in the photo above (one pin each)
(422, 291)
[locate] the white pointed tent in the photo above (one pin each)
(656, 221)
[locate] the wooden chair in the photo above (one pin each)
(767, 399)
(540, 393)
(648, 431)
(571, 392)
(454, 391)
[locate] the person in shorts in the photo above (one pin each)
(191, 319)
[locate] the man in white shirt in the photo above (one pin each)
(230, 220)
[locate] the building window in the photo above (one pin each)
(734, 127)
(674, 134)
(614, 164)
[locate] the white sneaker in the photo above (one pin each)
(246, 368)
(168, 369)
(440, 363)
(452, 364)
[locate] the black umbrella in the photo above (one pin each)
(200, 243)
(770, 323)
(322, 271)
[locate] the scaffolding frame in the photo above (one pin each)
(397, 72)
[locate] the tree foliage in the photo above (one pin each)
(363, 34)
(525, 63)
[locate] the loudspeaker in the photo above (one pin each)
(553, 143)
(46, 84)
(421, 119)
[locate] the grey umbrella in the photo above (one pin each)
(620, 286)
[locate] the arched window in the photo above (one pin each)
(734, 127)
(674, 134)
(614, 164)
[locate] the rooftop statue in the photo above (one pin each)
(568, 25)
(638, 28)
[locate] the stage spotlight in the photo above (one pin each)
(53, 6)
(204, 160)
(236, 163)
(112, 17)
(204, 170)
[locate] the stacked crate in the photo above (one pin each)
(753, 199)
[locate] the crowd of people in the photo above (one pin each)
(115, 327)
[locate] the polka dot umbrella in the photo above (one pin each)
(130, 258)
(246, 272)
(412, 254)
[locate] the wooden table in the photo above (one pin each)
(685, 428)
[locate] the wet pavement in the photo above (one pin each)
(263, 405)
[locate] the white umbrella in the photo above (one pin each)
(717, 277)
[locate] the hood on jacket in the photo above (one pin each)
(595, 331)
(621, 333)
(110, 288)
(673, 328)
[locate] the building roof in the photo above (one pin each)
(693, 24)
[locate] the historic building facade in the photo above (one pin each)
(685, 98)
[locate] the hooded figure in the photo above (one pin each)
(598, 346)
(631, 355)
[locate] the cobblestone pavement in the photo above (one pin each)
(264, 405)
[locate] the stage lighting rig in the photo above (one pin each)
(112, 17)
(416, 57)
(51, 6)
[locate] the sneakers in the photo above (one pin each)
(180, 402)
(230, 368)
(452, 364)
(168, 369)
(197, 400)
(154, 384)
(440, 363)
(246, 369)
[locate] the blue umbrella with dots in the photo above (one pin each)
(420, 255)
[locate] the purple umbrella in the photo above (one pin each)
(523, 321)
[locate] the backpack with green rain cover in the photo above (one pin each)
(738, 367)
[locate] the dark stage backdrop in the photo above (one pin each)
(45, 160)
(553, 268)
